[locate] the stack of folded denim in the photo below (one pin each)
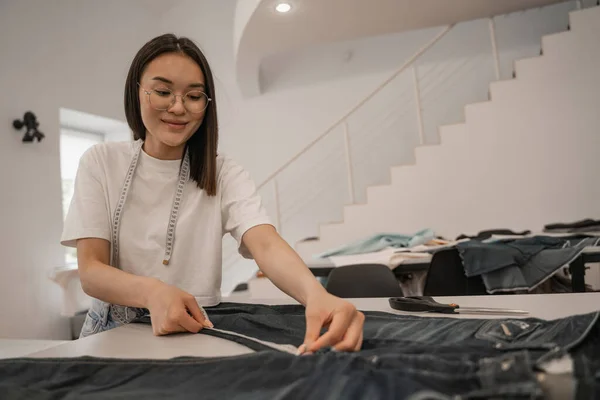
(521, 264)
(487, 234)
(582, 226)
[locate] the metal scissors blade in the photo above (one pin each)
(482, 310)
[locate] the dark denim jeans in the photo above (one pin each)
(402, 357)
(584, 225)
(521, 264)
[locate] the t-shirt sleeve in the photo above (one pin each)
(88, 215)
(241, 205)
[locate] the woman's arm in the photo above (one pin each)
(284, 267)
(168, 305)
(281, 264)
(100, 280)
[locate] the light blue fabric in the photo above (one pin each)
(380, 241)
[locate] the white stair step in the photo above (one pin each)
(501, 91)
(432, 160)
(378, 192)
(351, 211)
(529, 68)
(454, 141)
(452, 135)
(329, 231)
(476, 110)
(555, 44)
(585, 21)
(403, 175)
(426, 155)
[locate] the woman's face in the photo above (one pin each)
(171, 73)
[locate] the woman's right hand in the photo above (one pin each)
(173, 310)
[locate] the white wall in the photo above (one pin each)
(66, 53)
(243, 12)
(328, 61)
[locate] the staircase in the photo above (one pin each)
(528, 156)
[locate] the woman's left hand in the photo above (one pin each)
(343, 321)
(288, 272)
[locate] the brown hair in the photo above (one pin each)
(202, 145)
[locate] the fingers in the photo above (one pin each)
(337, 329)
(166, 326)
(178, 319)
(313, 329)
(194, 309)
(360, 341)
(188, 323)
(352, 340)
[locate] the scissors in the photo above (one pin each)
(428, 304)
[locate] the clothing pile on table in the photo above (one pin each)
(488, 234)
(403, 357)
(392, 250)
(582, 226)
(506, 261)
(515, 265)
(379, 242)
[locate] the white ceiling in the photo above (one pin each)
(315, 22)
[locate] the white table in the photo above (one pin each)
(137, 340)
(10, 348)
(323, 267)
(326, 263)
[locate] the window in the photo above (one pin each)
(73, 144)
(80, 131)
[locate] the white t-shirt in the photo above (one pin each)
(195, 264)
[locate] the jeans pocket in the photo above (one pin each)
(507, 331)
(92, 324)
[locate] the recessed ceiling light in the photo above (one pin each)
(283, 7)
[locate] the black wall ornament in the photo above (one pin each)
(31, 124)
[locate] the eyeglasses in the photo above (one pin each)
(195, 101)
